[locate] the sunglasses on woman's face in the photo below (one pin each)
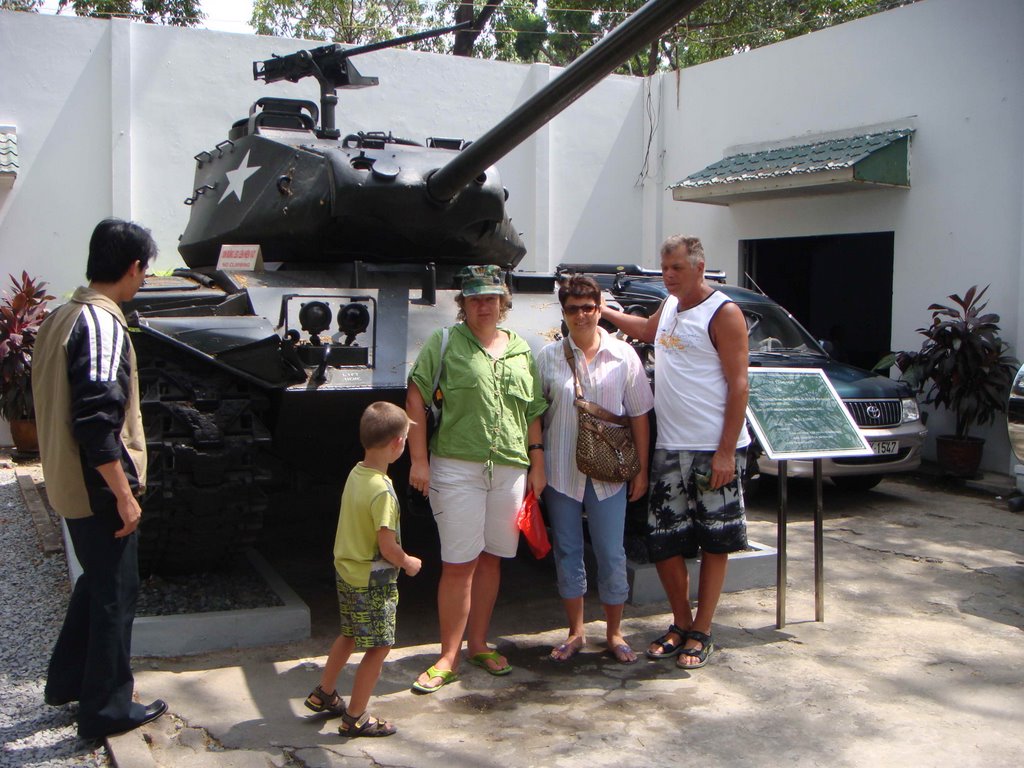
(575, 309)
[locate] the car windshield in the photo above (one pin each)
(772, 330)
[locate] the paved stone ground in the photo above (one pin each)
(33, 598)
(920, 662)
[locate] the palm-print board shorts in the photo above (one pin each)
(684, 516)
(367, 613)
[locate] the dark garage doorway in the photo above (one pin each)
(838, 286)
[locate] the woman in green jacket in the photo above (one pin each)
(485, 455)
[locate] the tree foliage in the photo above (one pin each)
(563, 29)
(342, 21)
(31, 6)
(558, 31)
(180, 13)
(553, 31)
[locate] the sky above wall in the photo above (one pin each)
(221, 15)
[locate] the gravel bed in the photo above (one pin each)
(238, 586)
(34, 592)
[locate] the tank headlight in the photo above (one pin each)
(910, 409)
(353, 319)
(315, 317)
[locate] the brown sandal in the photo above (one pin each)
(364, 725)
(322, 701)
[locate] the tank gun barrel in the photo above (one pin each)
(413, 38)
(647, 23)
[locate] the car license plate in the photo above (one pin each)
(885, 447)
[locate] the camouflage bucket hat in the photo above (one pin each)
(481, 280)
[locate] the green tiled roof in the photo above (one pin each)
(873, 158)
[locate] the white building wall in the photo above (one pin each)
(57, 95)
(954, 70)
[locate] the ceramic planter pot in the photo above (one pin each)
(959, 456)
(23, 433)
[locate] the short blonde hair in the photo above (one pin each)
(504, 298)
(694, 249)
(381, 423)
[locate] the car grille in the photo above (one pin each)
(875, 413)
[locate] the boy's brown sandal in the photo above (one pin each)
(364, 725)
(321, 701)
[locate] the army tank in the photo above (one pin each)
(253, 380)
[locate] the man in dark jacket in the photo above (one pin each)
(93, 450)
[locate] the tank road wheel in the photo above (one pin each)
(205, 437)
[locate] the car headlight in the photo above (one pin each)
(910, 409)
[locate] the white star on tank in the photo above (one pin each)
(238, 177)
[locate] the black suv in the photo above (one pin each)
(885, 410)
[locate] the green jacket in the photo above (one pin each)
(487, 403)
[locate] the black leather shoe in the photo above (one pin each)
(148, 715)
(153, 711)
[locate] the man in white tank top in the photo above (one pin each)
(700, 400)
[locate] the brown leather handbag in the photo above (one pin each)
(604, 441)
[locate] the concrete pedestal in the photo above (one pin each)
(747, 570)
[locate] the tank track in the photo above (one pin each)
(207, 472)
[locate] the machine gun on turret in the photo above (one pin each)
(331, 67)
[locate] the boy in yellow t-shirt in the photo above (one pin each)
(367, 557)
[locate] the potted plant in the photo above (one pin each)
(964, 366)
(21, 312)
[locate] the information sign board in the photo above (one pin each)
(796, 413)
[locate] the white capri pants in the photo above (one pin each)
(475, 510)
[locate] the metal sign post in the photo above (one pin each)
(780, 545)
(797, 414)
(819, 546)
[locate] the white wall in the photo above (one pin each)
(109, 115)
(57, 96)
(956, 69)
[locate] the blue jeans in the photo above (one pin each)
(606, 521)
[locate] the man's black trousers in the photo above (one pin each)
(91, 662)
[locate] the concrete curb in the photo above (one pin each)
(130, 750)
(188, 634)
(747, 570)
(49, 538)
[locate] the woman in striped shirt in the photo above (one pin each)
(612, 376)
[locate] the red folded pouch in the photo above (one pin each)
(531, 523)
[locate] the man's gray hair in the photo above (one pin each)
(694, 249)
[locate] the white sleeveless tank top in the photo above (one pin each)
(689, 385)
